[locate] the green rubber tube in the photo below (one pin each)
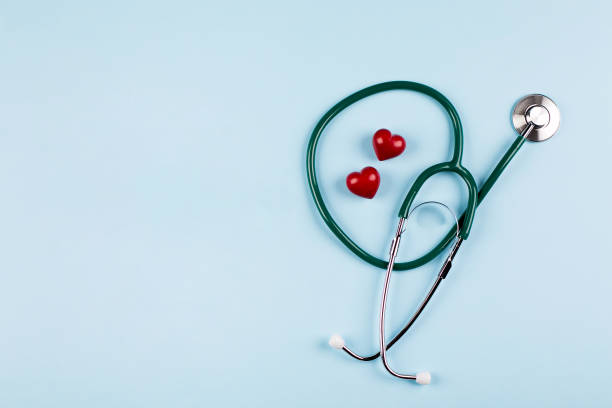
(453, 165)
(468, 217)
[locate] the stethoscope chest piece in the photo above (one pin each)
(540, 111)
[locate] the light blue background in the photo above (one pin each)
(160, 247)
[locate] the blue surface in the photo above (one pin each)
(160, 247)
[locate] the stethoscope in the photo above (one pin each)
(535, 117)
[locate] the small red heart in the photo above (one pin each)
(387, 146)
(364, 184)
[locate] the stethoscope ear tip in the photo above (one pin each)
(423, 378)
(336, 341)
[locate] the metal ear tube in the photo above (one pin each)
(422, 377)
(336, 341)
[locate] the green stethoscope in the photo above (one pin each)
(535, 117)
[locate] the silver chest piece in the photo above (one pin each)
(540, 111)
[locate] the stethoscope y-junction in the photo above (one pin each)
(535, 117)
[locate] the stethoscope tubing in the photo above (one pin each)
(454, 165)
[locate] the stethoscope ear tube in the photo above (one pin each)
(423, 377)
(338, 342)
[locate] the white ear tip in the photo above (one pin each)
(336, 341)
(423, 378)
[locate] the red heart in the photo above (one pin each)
(364, 184)
(387, 146)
